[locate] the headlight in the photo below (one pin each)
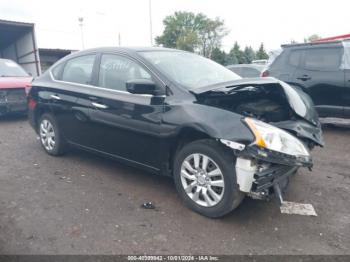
(273, 138)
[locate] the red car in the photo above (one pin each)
(14, 85)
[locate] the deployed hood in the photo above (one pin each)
(298, 101)
(14, 82)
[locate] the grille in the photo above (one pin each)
(13, 95)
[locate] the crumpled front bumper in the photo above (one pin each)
(258, 170)
(12, 107)
(12, 101)
(257, 178)
(266, 179)
(274, 157)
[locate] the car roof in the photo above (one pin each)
(312, 44)
(5, 59)
(131, 51)
(127, 49)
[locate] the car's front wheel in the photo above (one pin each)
(205, 178)
(50, 135)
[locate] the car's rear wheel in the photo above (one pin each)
(204, 174)
(50, 135)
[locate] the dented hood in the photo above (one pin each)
(299, 102)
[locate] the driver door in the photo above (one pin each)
(125, 125)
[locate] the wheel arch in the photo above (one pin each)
(185, 135)
(38, 112)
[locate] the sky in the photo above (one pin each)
(250, 22)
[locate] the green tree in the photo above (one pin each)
(261, 53)
(237, 53)
(231, 59)
(218, 56)
(249, 54)
(192, 32)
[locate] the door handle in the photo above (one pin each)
(56, 97)
(304, 78)
(98, 105)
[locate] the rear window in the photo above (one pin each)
(250, 72)
(236, 70)
(323, 59)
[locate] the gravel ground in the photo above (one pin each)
(83, 204)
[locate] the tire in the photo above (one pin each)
(50, 135)
(203, 196)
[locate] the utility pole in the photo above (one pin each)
(119, 39)
(150, 21)
(81, 20)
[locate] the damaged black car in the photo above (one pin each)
(178, 114)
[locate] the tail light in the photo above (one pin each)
(31, 103)
(27, 88)
(266, 73)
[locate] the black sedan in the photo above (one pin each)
(177, 114)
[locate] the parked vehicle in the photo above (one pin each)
(260, 62)
(247, 70)
(177, 114)
(13, 84)
(322, 70)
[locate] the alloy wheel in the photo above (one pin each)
(47, 135)
(202, 180)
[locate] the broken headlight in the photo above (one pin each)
(275, 139)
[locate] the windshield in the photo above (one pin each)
(189, 70)
(10, 68)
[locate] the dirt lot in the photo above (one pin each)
(83, 204)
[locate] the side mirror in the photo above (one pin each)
(142, 87)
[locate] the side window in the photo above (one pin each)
(294, 57)
(323, 59)
(79, 69)
(56, 71)
(116, 70)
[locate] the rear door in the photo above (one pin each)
(321, 76)
(69, 97)
(125, 125)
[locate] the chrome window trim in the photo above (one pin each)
(101, 88)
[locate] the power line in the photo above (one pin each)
(150, 21)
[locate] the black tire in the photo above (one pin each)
(225, 160)
(60, 145)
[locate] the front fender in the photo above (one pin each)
(215, 122)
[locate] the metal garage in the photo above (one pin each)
(18, 43)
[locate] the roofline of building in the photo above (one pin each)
(57, 50)
(16, 23)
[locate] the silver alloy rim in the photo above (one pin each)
(47, 135)
(202, 180)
